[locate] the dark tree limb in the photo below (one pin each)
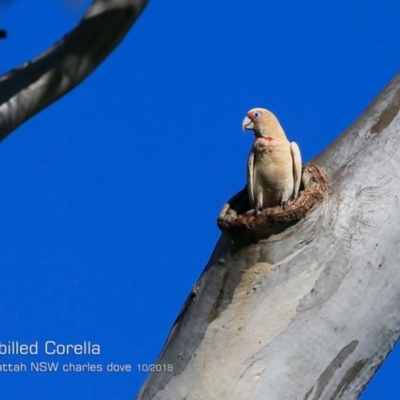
(29, 88)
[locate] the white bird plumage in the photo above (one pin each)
(274, 164)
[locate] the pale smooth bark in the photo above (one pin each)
(29, 88)
(309, 313)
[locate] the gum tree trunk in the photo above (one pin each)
(308, 311)
(29, 88)
(305, 311)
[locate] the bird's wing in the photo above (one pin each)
(297, 168)
(250, 176)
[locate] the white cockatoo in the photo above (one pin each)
(274, 164)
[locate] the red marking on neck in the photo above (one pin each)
(268, 138)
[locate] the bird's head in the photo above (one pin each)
(263, 123)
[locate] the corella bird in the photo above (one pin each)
(274, 164)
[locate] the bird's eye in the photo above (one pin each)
(257, 115)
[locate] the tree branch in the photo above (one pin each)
(36, 84)
(309, 312)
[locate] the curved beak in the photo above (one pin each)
(247, 123)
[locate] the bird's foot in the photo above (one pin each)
(250, 212)
(284, 204)
(259, 209)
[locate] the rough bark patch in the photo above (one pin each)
(330, 370)
(327, 283)
(388, 114)
(236, 220)
(348, 378)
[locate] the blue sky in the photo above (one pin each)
(109, 197)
